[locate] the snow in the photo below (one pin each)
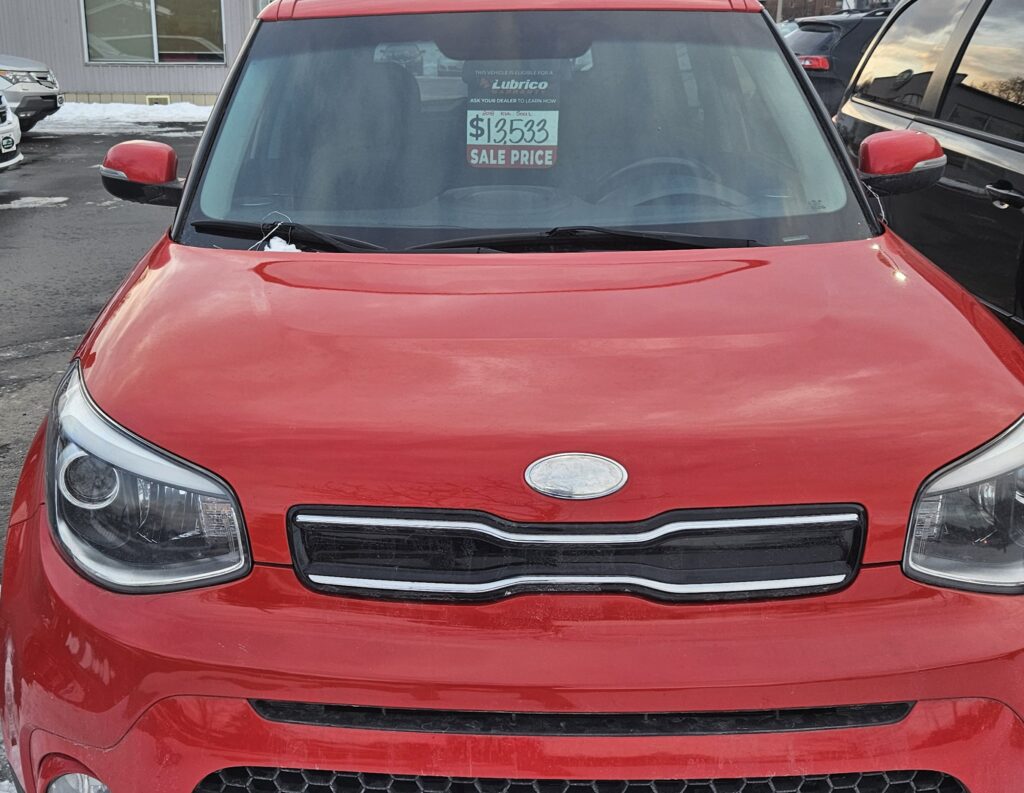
(81, 118)
(7, 787)
(277, 245)
(32, 202)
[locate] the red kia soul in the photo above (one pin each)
(527, 398)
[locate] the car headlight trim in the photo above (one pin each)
(130, 516)
(74, 470)
(967, 525)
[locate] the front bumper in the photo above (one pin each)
(33, 108)
(179, 741)
(8, 159)
(156, 687)
(10, 138)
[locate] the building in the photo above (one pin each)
(131, 50)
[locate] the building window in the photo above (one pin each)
(154, 31)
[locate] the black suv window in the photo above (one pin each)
(902, 64)
(988, 90)
(812, 38)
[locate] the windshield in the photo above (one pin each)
(401, 131)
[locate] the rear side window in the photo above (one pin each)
(812, 39)
(902, 64)
(988, 90)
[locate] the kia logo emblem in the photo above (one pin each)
(576, 476)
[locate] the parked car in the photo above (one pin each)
(830, 47)
(31, 89)
(10, 137)
(956, 72)
(590, 434)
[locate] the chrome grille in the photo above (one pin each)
(441, 555)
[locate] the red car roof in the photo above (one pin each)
(310, 9)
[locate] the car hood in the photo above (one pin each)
(842, 373)
(14, 63)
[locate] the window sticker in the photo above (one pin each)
(512, 120)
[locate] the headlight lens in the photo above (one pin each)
(130, 516)
(16, 77)
(77, 783)
(967, 528)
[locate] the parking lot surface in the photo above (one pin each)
(65, 245)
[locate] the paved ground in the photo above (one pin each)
(65, 245)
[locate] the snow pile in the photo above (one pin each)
(33, 202)
(79, 118)
(277, 245)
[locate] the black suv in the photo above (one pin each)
(955, 69)
(830, 48)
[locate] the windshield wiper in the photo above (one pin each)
(588, 237)
(294, 232)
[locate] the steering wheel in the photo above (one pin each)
(657, 178)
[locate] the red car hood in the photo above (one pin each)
(771, 376)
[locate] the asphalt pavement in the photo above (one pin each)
(65, 246)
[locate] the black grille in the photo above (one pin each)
(290, 780)
(7, 156)
(685, 555)
(3, 115)
(581, 724)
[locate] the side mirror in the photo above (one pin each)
(901, 161)
(143, 171)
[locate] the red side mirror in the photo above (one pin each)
(901, 161)
(142, 171)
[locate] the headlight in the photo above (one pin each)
(77, 783)
(129, 515)
(967, 527)
(16, 77)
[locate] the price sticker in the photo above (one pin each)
(512, 120)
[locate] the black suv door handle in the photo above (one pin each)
(1005, 196)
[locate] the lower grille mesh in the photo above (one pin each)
(289, 780)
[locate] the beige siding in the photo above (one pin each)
(51, 31)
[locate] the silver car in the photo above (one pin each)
(31, 89)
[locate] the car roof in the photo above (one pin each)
(848, 19)
(312, 9)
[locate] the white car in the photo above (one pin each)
(10, 136)
(30, 88)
